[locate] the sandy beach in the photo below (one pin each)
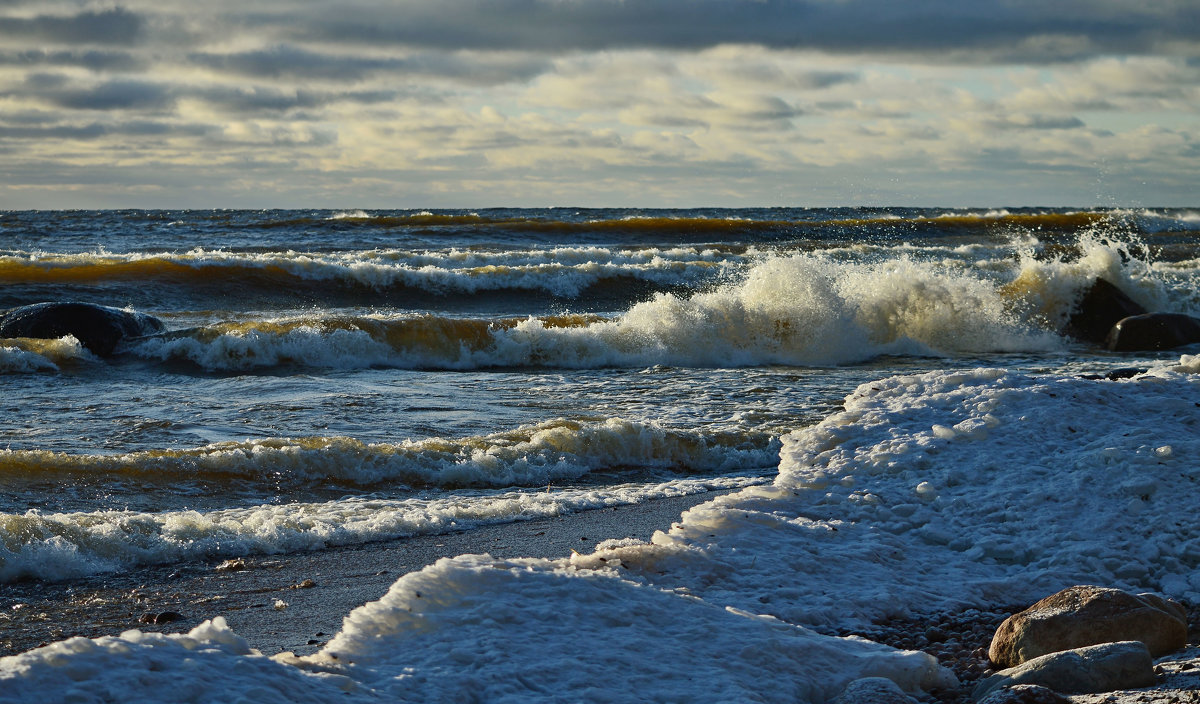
(248, 592)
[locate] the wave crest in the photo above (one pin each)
(553, 451)
(559, 271)
(26, 355)
(799, 310)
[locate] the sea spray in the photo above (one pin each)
(803, 309)
(1051, 286)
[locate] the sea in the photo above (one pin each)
(340, 377)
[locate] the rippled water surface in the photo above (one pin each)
(336, 377)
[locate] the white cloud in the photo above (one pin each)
(548, 101)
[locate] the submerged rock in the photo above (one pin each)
(1116, 374)
(161, 618)
(877, 690)
(1100, 308)
(1025, 694)
(1087, 615)
(1096, 668)
(98, 328)
(1153, 331)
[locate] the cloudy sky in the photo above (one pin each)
(678, 103)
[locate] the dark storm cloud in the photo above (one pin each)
(1069, 27)
(145, 96)
(110, 95)
(245, 100)
(116, 26)
(98, 130)
(1036, 122)
(92, 60)
(294, 62)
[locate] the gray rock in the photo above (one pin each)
(875, 690)
(1096, 668)
(1025, 694)
(1087, 615)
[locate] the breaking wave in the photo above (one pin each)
(56, 546)
(804, 309)
(561, 271)
(25, 355)
(537, 455)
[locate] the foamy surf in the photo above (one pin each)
(927, 492)
(28, 355)
(945, 490)
(800, 310)
(413, 645)
(57, 546)
(536, 455)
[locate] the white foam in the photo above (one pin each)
(14, 360)
(28, 355)
(512, 631)
(1051, 288)
(55, 546)
(301, 344)
(950, 489)
(478, 629)
(800, 310)
(1188, 364)
(209, 664)
(926, 493)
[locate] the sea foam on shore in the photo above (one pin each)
(927, 492)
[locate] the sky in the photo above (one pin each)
(633, 103)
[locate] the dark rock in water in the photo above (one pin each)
(98, 328)
(162, 618)
(1099, 309)
(1153, 331)
(1115, 374)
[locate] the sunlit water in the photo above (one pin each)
(339, 377)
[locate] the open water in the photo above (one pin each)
(331, 378)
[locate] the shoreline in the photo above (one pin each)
(317, 589)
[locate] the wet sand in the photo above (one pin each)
(319, 589)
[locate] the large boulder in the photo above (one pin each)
(98, 328)
(1086, 615)
(1153, 331)
(1102, 305)
(1096, 668)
